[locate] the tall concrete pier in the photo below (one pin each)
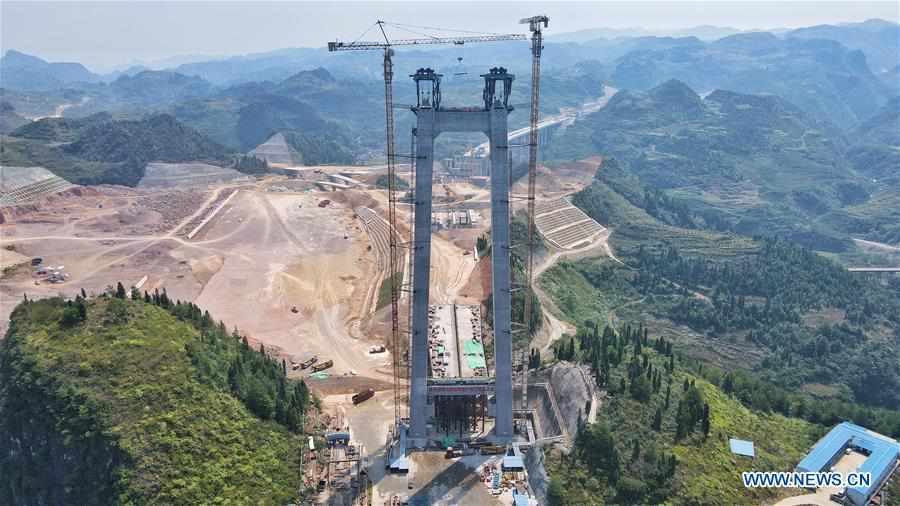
(431, 120)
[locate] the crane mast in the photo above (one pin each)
(535, 24)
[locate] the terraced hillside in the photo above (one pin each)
(20, 185)
(564, 225)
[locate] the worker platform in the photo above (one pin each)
(459, 381)
(455, 342)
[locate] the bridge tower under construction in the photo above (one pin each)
(447, 377)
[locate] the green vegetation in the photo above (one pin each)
(800, 344)
(99, 150)
(118, 401)
(664, 431)
(383, 181)
(808, 321)
(616, 199)
(384, 291)
(319, 149)
(814, 323)
(9, 120)
(893, 486)
(250, 165)
(319, 115)
(482, 245)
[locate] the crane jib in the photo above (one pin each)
(363, 45)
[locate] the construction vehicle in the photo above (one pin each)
(307, 363)
(453, 453)
(377, 349)
(493, 450)
(324, 365)
(363, 395)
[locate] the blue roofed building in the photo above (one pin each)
(520, 499)
(513, 461)
(741, 447)
(882, 454)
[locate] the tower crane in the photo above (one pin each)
(535, 24)
(396, 257)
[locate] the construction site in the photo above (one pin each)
(379, 298)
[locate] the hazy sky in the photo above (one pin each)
(105, 34)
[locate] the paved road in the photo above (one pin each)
(567, 116)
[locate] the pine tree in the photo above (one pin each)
(680, 428)
(82, 308)
(728, 384)
(120, 290)
(657, 420)
(705, 421)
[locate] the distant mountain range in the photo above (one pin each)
(22, 71)
(877, 39)
(150, 87)
(821, 77)
(751, 164)
(703, 32)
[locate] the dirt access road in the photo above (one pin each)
(554, 328)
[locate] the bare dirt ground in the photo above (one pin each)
(279, 263)
(263, 255)
(564, 179)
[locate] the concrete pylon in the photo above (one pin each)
(500, 271)
(431, 120)
(419, 411)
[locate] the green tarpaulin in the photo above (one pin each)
(474, 353)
